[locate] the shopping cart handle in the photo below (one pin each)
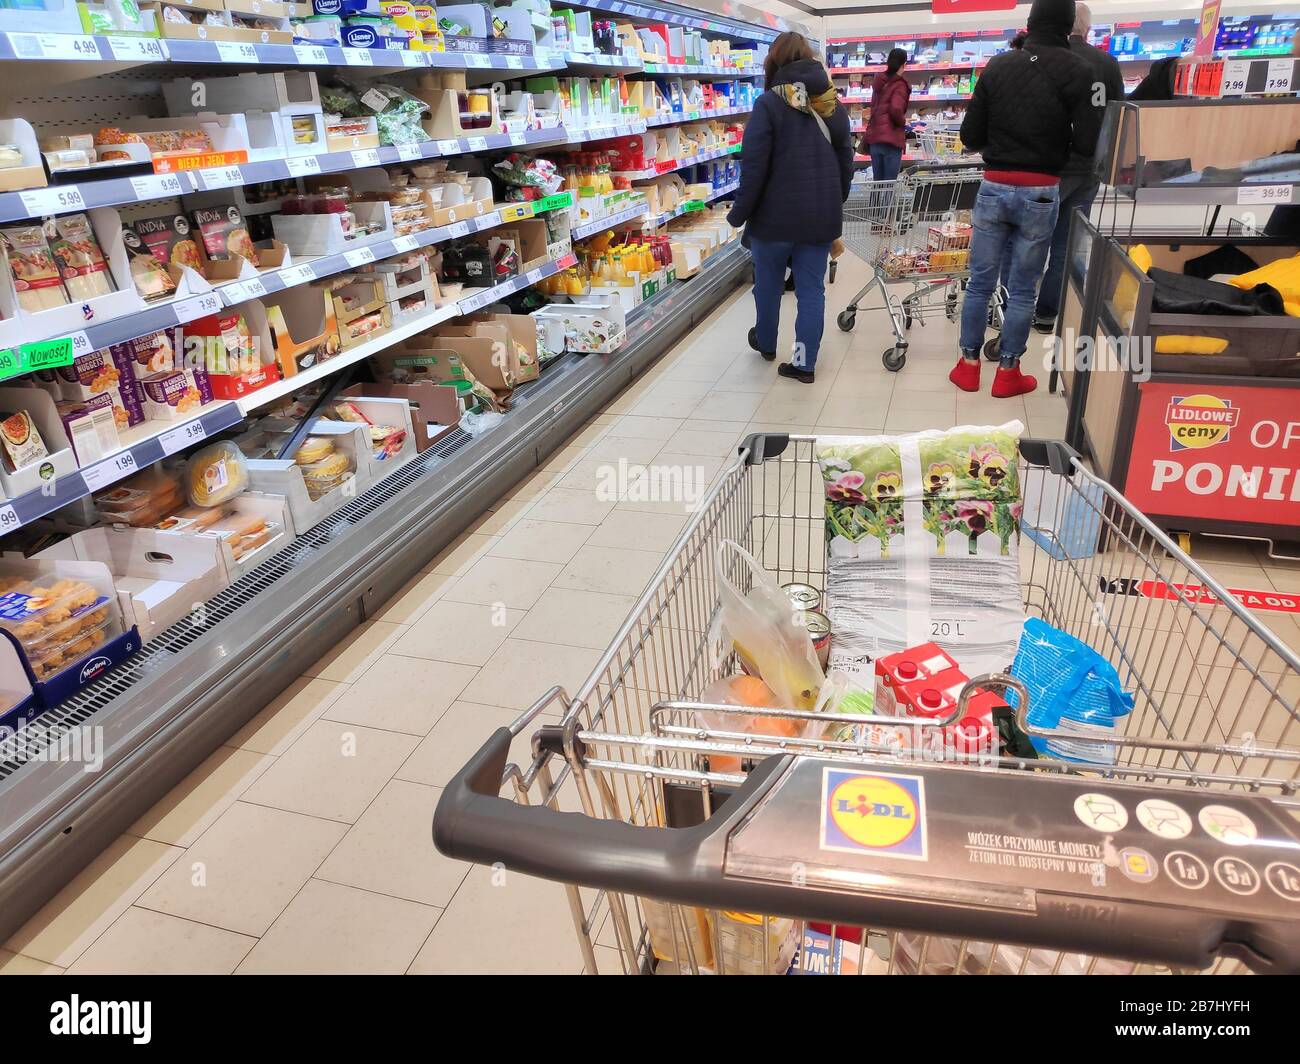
(473, 823)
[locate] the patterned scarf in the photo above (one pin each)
(796, 96)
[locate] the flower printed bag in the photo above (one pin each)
(922, 540)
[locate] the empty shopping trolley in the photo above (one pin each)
(915, 234)
(807, 844)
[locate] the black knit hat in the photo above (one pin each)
(1053, 17)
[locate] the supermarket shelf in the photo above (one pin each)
(168, 315)
(640, 125)
(687, 208)
(695, 20)
(154, 440)
(614, 220)
(166, 709)
(679, 164)
(111, 192)
(1257, 193)
(918, 98)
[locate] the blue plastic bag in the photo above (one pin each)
(1071, 688)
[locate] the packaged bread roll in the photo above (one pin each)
(216, 474)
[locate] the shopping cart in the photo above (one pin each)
(913, 232)
(700, 870)
(940, 145)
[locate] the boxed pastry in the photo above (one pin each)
(142, 500)
(23, 157)
(238, 354)
(63, 619)
(388, 420)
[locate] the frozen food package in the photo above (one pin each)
(32, 268)
(79, 256)
(21, 440)
(222, 233)
(922, 533)
(169, 237)
(216, 474)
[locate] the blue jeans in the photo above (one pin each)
(808, 263)
(1017, 221)
(1076, 192)
(886, 160)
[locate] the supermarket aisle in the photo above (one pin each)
(303, 844)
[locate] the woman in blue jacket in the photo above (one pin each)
(796, 168)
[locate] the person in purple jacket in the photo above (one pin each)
(886, 133)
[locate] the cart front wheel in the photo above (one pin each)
(846, 320)
(894, 358)
(993, 350)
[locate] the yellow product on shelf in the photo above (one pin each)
(217, 474)
(314, 449)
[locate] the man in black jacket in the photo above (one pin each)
(1030, 110)
(1078, 181)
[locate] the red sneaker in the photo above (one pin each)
(966, 375)
(1009, 383)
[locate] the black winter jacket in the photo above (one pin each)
(1032, 108)
(793, 182)
(1107, 76)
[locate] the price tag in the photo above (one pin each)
(53, 46)
(411, 59)
(294, 275)
(358, 57)
(232, 52)
(52, 200)
(301, 165)
(182, 436)
(109, 471)
(81, 344)
(458, 229)
(359, 257)
(8, 519)
(220, 177)
(404, 244)
(1266, 194)
(449, 147)
(536, 275)
(311, 53)
(1235, 74)
(407, 152)
(155, 186)
(515, 62)
(197, 307)
(366, 157)
(477, 143)
(1279, 75)
(474, 59)
(135, 49)
(243, 290)
(517, 139)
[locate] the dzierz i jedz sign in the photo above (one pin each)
(1227, 452)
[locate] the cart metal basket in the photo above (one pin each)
(915, 234)
(939, 145)
(1183, 854)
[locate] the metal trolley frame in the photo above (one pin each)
(663, 836)
(907, 232)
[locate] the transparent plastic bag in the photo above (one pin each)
(762, 626)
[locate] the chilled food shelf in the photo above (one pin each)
(62, 199)
(669, 165)
(611, 222)
(152, 441)
(695, 205)
(637, 125)
(167, 708)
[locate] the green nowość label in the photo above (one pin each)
(43, 354)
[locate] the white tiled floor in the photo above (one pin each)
(303, 844)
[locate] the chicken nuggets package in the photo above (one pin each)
(922, 546)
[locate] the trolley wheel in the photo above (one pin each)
(992, 352)
(846, 319)
(894, 358)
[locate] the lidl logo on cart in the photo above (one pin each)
(1199, 421)
(877, 813)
